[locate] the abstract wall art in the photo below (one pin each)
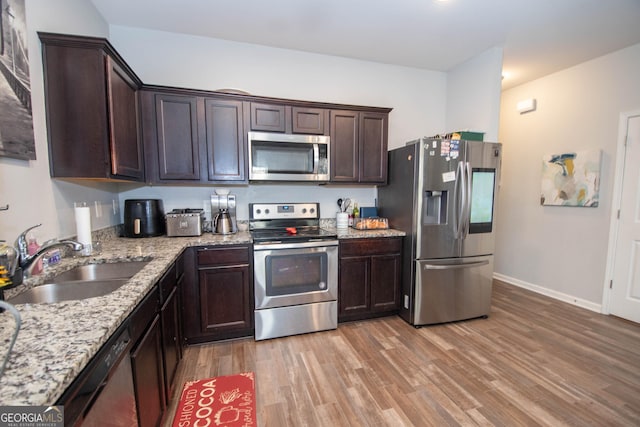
(571, 179)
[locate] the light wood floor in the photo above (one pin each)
(534, 361)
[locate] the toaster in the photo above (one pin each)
(185, 222)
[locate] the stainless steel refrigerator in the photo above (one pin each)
(442, 193)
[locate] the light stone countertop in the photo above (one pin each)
(57, 340)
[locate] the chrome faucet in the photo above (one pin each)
(25, 261)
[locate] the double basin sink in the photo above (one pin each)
(85, 281)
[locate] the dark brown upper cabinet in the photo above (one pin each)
(309, 120)
(225, 140)
(192, 138)
(372, 146)
(359, 146)
(288, 119)
(91, 100)
(268, 117)
(170, 127)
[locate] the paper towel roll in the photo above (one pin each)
(83, 225)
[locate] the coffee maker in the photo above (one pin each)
(223, 213)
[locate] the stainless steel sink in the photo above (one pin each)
(107, 271)
(86, 281)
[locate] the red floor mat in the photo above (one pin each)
(219, 401)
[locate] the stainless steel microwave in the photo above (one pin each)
(287, 157)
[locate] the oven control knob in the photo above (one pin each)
(304, 210)
(266, 211)
(258, 211)
(312, 210)
(322, 285)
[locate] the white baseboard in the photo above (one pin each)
(550, 293)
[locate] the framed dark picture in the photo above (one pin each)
(16, 121)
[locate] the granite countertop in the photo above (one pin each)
(57, 340)
(352, 233)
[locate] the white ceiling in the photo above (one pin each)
(539, 37)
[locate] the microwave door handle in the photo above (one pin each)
(316, 158)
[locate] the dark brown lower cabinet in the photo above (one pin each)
(218, 302)
(148, 376)
(369, 278)
(171, 345)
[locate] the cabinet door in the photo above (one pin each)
(171, 350)
(225, 300)
(177, 137)
(385, 282)
(344, 146)
(268, 117)
(308, 120)
(125, 143)
(148, 377)
(353, 295)
(225, 140)
(77, 126)
(373, 148)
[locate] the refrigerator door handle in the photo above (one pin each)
(454, 266)
(458, 201)
(466, 212)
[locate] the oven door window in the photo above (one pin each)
(296, 274)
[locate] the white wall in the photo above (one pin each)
(473, 95)
(25, 185)
(417, 97)
(170, 59)
(558, 250)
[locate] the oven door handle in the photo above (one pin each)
(297, 245)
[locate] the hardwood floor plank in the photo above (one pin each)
(534, 361)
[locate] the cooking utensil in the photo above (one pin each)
(346, 204)
(340, 204)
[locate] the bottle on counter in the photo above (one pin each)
(356, 211)
(32, 248)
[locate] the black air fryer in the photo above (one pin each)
(143, 218)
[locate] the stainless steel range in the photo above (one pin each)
(295, 270)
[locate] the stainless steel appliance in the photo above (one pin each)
(223, 214)
(295, 270)
(143, 218)
(286, 157)
(185, 222)
(442, 193)
(104, 392)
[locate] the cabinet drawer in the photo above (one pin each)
(363, 247)
(211, 257)
(144, 313)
